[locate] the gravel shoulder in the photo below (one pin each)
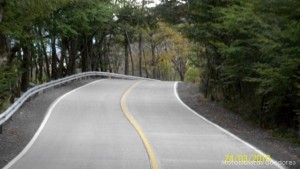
(23, 125)
(262, 139)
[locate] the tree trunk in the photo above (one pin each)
(146, 67)
(130, 53)
(2, 10)
(44, 52)
(140, 54)
(64, 44)
(141, 44)
(3, 40)
(86, 54)
(104, 45)
(54, 59)
(106, 56)
(25, 69)
(48, 74)
(3, 47)
(101, 59)
(180, 67)
(106, 59)
(153, 61)
(32, 64)
(126, 55)
(72, 56)
(40, 64)
(36, 72)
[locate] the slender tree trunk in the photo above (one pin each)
(40, 64)
(153, 61)
(107, 53)
(3, 47)
(54, 59)
(3, 40)
(36, 70)
(141, 44)
(90, 53)
(64, 44)
(146, 67)
(105, 45)
(130, 53)
(2, 10)
(72, 56)
(47, 62)
(126, 55)
(25, 68)
(44, 52)
(86, 54)
(101, 52)
(101, 59)
(140, 54)
(32, 64)
(106, 59)
(180, 67)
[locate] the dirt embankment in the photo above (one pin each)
(262, 139)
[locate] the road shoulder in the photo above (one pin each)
(19, 131)
(262, 139)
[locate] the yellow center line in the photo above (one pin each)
(135, 124)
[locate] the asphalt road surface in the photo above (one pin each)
(123, 124)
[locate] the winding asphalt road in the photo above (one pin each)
(123, 124)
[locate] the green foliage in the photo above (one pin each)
(251, 56)
(8, 82)
(192, 75)
(20, 16)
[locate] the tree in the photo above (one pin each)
(249, 53)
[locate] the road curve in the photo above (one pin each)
(180, 138)
(86, 129)
(119, 124)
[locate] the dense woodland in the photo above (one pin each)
(242, 53)
(42, 40)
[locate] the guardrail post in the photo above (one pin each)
(1, 129)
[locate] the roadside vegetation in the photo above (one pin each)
(248, 55)
(242, 53)
(42, 40)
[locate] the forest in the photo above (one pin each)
(244, 54)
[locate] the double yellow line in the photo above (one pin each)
(135, 124)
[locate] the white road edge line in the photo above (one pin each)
(43, 124)
(222, 129)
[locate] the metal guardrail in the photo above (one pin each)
(40, 88)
